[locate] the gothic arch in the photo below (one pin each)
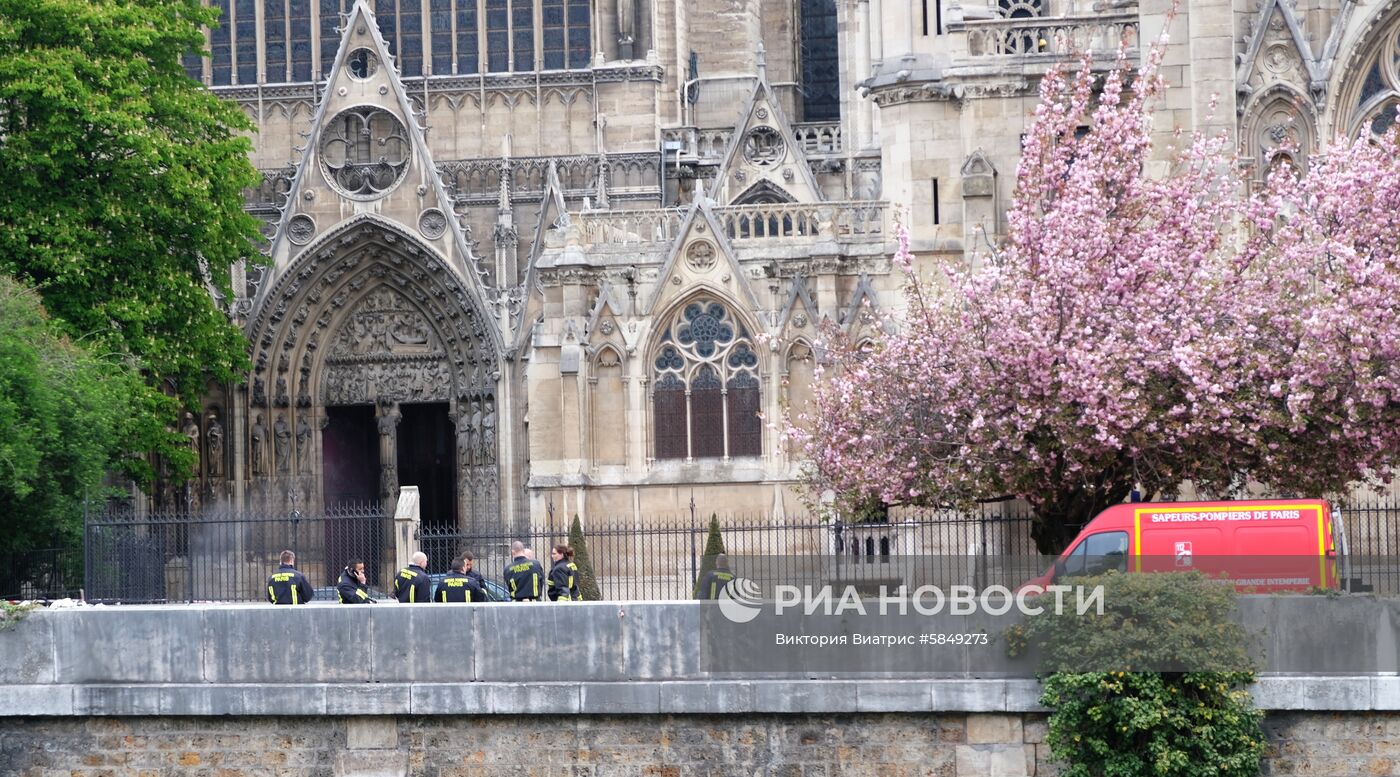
(1279, 123)
(369, 315)
(706, 367)
(764, 193)
(1368, 86)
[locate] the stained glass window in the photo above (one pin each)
(301, 41)
(275, 40)
(821, 74)
(411, 38)
(706, 399)
(440, 22)
(580, 40)
(221, 46)
(523, 28)
(467, 46)
(330, 39)
(246, 40)
(553, 37)
(497, 36)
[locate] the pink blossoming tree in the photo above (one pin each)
(1134, 329)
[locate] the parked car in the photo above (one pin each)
(1261, 546)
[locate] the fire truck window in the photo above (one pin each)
(1105, 551)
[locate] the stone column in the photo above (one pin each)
(387, 417)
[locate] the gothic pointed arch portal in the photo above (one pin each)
(371, 359)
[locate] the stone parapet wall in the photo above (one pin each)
(469, 745)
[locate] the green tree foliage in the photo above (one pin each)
(714, 547)
(1154, 685)
(123, 182)
(587, 579)
(67, 416)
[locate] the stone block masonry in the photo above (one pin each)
(467, 745)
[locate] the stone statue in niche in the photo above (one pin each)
(488, 433)
(282, 438)
(258, 449)
(281, 399)
(626, 29)
(214, 439)
(304, 388)
(303, 440)
(259, 392)
(466, 438)
(191, 432)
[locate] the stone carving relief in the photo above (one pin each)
(364, 152)
(282, 438)
(257, 449)
(764, 146)
(301, 229)
(432, 223)
(700, 256)
(214, 440)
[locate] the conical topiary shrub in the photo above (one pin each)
(714, 546)
(587, 580)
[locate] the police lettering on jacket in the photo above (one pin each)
(524, 578)
(412, 584)
(459, 587)
(288, 586)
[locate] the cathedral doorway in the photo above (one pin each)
(350, 456)
(427, 458)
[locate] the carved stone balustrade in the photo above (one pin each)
(818, 138)
(1051, 37)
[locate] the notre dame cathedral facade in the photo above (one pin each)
(573, 255)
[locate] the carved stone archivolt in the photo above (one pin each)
(370, 316)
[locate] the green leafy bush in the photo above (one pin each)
(1153, 686)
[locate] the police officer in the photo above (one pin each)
(561, 575)
(352, 588)
(458, 586)
(715, 579)
(524, 577)
(467, 561)
(412, 583)
(287, 585)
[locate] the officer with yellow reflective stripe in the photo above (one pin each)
(412, 584)
(524, 576)
(287, 585)
(715, 579)
(458, 586)
(561, 574)
(352, 588)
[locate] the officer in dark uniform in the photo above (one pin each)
(352, 588)
(467, 562)
(561, 577)
(287, 585)
(573, 570)
(524, 576)
(458, 586)
(715, 579)
(412, 584)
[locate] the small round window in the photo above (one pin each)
(364, 152)
(362, 63)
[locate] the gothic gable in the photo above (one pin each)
(699, 257)
(366, 154)
(763, 149)
(799, 317)
(1277, 53)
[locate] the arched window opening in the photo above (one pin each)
(705, 399)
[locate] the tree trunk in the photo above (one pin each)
(1058, 519)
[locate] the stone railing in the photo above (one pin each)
(843, 220)
(837, 220)
(818, 138)
(700, 144)
(628, 227)
(1057, 37)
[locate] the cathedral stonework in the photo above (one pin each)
(542, 258)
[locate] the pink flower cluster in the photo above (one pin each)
(1135, 329)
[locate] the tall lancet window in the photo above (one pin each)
(705, 391)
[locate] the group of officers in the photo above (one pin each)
(525, 580)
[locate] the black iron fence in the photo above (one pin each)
(50, 573)
(223, 556)
(227, 556)
(661, 557)
(1372, 528)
